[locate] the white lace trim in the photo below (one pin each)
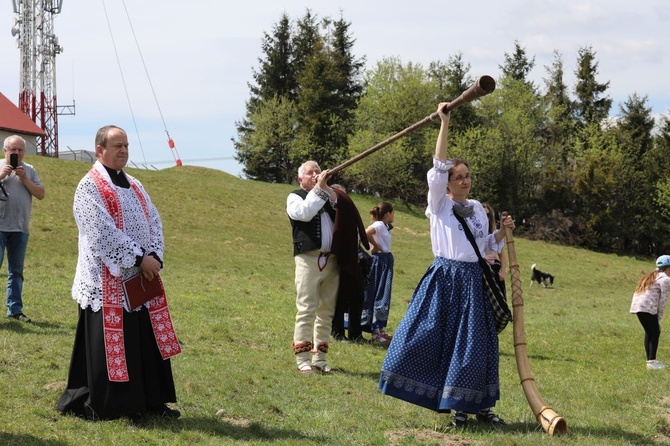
(100, 240)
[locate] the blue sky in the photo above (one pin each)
(200, 54)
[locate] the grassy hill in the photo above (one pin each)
(229, 278)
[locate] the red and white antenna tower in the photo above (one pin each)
(34, 32)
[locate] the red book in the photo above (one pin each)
(140, 290)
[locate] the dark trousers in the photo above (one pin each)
(349, 300)
(652, 333)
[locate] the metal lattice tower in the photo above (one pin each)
(34, 32)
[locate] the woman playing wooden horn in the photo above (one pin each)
(444, 354)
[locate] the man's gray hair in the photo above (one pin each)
(301, 169)
(11, 138)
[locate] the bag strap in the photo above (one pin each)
(468, 234)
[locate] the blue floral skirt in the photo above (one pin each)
(444, 353)
(377, 300)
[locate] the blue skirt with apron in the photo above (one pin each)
(377, 300)
(444, 353)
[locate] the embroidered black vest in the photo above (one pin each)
(307, 235)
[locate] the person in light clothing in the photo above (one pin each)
(18, 185)
(649, 299)
(377, 301)
(311, 211)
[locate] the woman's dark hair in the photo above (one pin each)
(457, 162)
(378, 212)
(492, 217)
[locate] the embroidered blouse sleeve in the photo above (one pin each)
(492, 244)
(97, 228)
(438, 178)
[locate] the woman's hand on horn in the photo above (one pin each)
(508, 222)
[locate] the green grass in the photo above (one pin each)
(229, 279)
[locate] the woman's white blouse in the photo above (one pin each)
(382, 235)
(446, 234)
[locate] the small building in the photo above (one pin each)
(14, 122)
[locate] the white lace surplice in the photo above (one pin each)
(101, 241)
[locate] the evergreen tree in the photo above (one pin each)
(590, 107)
(453, 79)
(555, 196)
(517, 65)
(276, 76)
(635, 127)
(313, 81)
(306, 37)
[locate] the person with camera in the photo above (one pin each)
(120, 362)
(19, 183)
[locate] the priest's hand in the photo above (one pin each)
(150, 267)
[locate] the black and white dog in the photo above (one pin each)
(540, 277)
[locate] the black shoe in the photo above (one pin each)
(20, 317)
(487, 416)
(360, 340)
(164, 411)
(340, 338)
(460, 419)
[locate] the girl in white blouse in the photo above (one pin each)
(377, 301)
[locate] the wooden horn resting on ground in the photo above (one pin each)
(551, 422)
(483, 86)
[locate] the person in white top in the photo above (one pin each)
(377, 300)
(444, 354)
(649, 299)
(311, 211)
(497, 260)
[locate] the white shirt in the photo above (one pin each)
(382, 235)
(305, 210)
(447, 237)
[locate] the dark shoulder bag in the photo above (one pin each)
(501, 313)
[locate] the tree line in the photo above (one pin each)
(550, 154)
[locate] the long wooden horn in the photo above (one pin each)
(483, 86)
(551, 422)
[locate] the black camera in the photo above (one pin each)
(14, 160)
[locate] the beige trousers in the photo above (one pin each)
(316, 294)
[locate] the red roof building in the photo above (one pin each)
(14, 122)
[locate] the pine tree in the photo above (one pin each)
(517, 65)
(453, 79)
(590, 107)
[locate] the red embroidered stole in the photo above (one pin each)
(112, 296)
